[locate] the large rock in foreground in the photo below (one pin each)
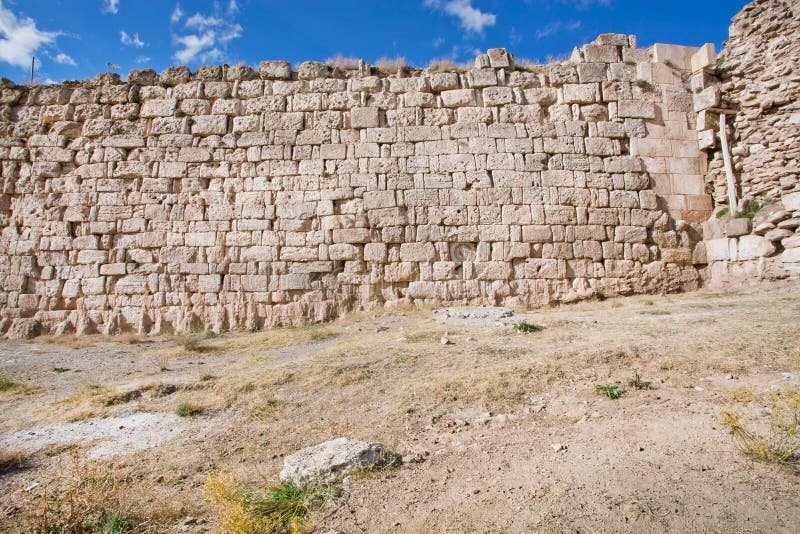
(330, 460)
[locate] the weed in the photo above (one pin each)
(56, 451)
(781, 444)
(209, 334)
(648, 302)
(6, 384)
(185, 409)
(612, 391)
(343, 63)
(643, 84)
(390, 65)
(61, 369)
(638, 383)
(10, 461)
(749, 211)
(527, 328)
(655, 312)
(207, 377)
(723, 212)
(281, 507)
(442, 65)
(253, 329)
(616, 304)
(91, 501)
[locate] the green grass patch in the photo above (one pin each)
(612, 391)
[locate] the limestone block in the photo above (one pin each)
(579, 93)
(210, 125)
(275, 70)
(443, 81)
(376, 252)
(592, 72)
(563, 73)
(738, 227)
(754, 246)
(344, 251)
(479, 78)
(497, 96)
(159, 107)
(791, 201)
(537, 233)
(636, 109)
(630, 234)
(368, 117)
(313, 69)
(601, 53)
(459, 97)
(498, 57)
(416, 252)
(351, 235)
(705, 57)
(707, 98)
(209, 283)
(791, 255)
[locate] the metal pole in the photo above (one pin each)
(33, 60)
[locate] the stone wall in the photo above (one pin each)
(759, 72)
(239, 198)
(757, 83)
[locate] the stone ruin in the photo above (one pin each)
(234, 197)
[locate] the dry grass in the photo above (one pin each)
(89, 498)
(6, 383)
(280, 507)
(445, 65)
(83, 342)
(779, 442)
(384, 375)
(11, 460)
(343, 63)
(390, 65)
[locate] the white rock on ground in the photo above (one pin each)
(330, 460)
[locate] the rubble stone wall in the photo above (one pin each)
(757, 83)
(759, 71)
(240, 198)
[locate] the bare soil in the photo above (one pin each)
(501, 431)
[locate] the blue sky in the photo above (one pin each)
(73, 39)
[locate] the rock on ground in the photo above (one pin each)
(327, 461)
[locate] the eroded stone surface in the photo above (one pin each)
(330, 460)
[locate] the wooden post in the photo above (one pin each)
(726, 157)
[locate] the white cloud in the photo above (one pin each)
(557, 26)
(142, 59)
(177, 14)
(471, 18)
(20, 38)
(206, 38)
(130, 40)
(233, 7)
(112, 6)
(64, 59)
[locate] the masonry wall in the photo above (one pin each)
(759, 79)
(238, 198)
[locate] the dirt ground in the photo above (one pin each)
(501, 431)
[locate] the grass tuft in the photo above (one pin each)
(527, 328)
(6, 383)
(638, 383)
(185, 409)
(781, 443)
(612, 391)
(281, 507)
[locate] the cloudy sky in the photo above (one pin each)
(74, 39)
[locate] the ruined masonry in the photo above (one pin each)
(234, 198)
